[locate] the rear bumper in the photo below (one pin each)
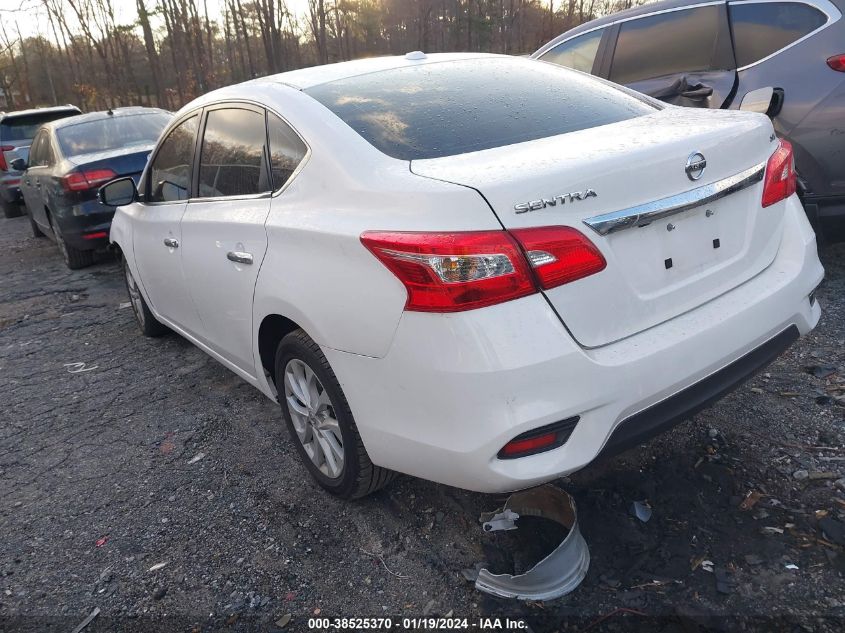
(453, 389)
(81, 221)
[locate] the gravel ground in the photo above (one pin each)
(142, 478)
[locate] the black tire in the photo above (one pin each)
(149, 325)
(11, 209)
(74, 258)
(36, 232)
(359, 476)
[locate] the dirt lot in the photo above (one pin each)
(120, 453)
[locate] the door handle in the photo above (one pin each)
(171, 242)
(239, 257)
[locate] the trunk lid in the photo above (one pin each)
(122, 161)
(653, 272)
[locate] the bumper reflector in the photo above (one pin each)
(539, 440)
(95, 236)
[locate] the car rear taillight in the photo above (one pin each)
(559, 254)
(3, 149)
(87, 179)
(780, 181)
(450, 272)
(837, 62)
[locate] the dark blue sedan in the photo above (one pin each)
(70, 159)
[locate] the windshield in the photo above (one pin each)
(111, 132)
(446, 108)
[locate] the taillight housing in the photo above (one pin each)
(837, 62)
(780, 181)
(559, 254)
(86, 179)
(3, 149)
(452, 272)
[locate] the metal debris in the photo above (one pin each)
(557, 574)
(502, 521)
(641, 510)
(87, 620)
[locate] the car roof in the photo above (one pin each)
(104, 114)
(305, 78)
(30, 112)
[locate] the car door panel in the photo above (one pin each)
(220, 238)
(157, 233)
(683, 57)
(223, 229)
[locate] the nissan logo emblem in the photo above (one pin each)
(696, 164)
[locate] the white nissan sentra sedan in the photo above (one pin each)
(481, 270)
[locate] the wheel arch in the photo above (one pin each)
(273, 328)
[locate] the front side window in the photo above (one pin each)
(170, 173)
(578, 53)
(455, 107)
(666, 44)
(286, 151)
(233, 155)
(762, 29)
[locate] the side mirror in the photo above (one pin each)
(766, 100)
(19, 164)
(118, 192)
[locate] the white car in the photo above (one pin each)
(480, 270)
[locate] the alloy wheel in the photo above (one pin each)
(314, 418)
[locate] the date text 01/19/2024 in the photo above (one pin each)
(416, 624)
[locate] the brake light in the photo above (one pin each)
(780, 181)
(450, 272)
(86, 179)
(559, 254)
(3, 149)
(837, 62)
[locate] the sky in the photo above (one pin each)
(30, 16)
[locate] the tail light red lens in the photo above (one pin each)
(780, 181)
(837, 62)
(559, 254)
(87, 179)
(450, 272)
(3, 149)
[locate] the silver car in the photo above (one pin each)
(17, 129)
(782, 57)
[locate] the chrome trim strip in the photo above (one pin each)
(644, 214)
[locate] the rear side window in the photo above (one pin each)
(286, 151)
(762, 29)
(170, 173)
(578, 53)
(666, 44)
(233, 156)
(447, 108)
(23, 128)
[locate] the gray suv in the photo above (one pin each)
(17, 129)
(782, 57)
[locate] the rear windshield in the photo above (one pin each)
(111, 132)
(447, 108)
(23, 128)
